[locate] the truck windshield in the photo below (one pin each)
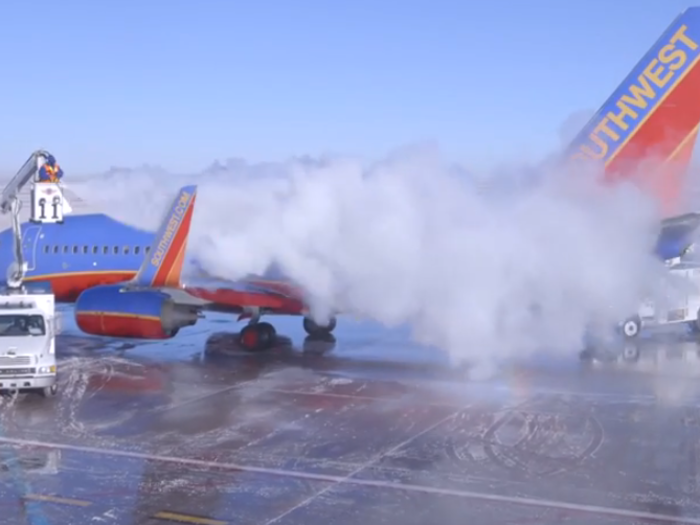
(19, 324)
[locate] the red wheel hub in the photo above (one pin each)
(250, 337)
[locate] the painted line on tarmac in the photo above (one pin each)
(56, 499)
(186, 518)
(359, 482)
(202, 397)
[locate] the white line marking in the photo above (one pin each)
(56, 499)
(327, 478)
(362, 467)
(414, 400)
(507, 389)
(186, 402)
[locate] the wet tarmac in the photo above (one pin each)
(370, 429)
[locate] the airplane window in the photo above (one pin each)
(105, 250)
(65, 249)
(85, 249)
(75, 249)
(95, 249)
(116, 250)
(55, 249)
(126, 250)
(46, 249)
(148, 249)
(137, 249)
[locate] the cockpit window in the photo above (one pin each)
(19, 324)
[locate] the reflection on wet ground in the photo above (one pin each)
(365, 429)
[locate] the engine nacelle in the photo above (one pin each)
(106, 310)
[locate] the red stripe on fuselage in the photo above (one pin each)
(282, 287)
(236, 300)
(67, 287)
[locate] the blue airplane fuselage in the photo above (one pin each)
(82, 252)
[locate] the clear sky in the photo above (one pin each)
(181, 83)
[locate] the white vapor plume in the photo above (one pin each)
(483, 267)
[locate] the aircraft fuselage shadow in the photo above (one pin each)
(228, 344)
(315, 353)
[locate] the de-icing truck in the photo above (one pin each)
(28, 321)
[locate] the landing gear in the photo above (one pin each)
(314, 329)
(257, 336)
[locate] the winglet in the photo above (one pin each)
(162, 264)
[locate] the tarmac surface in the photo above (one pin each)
(370, 429)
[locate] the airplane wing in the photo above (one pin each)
(646, 131)
(155, 303)
(162, 270)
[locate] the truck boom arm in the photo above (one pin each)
(24, 175)
(9, 202)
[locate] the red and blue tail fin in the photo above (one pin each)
(162, 265)
(650, 122)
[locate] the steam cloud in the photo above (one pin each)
(483, 266)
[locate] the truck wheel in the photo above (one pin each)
(631, 327)
(49, 391)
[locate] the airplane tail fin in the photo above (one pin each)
(646, 131)
(162, 264)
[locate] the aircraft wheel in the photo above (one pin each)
(50, 391)
(313, 328)
(631, 327)
(249, 338)
(268, 332)
(257, 336)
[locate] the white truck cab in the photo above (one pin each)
(28, 327)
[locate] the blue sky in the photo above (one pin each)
(181, 83)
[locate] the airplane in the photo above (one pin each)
(126, 282)
(646, 130)
(102, 265)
